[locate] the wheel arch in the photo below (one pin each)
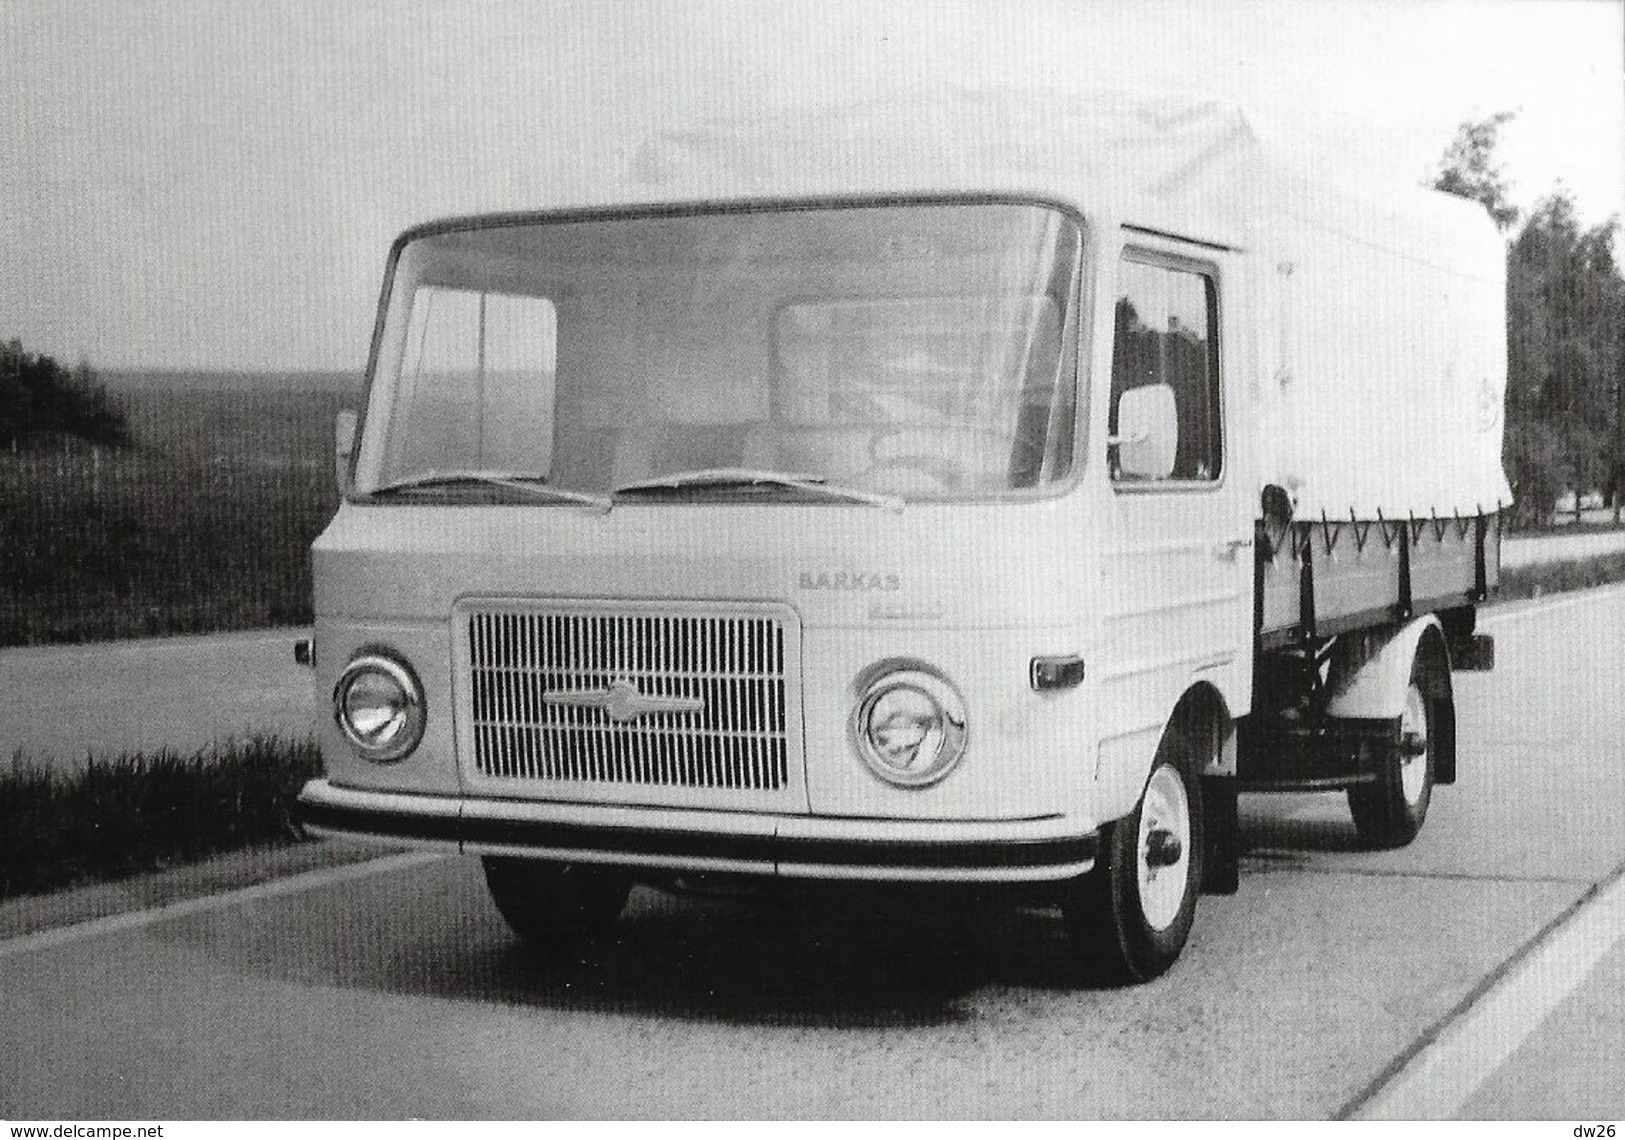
(1124, 763)
(1203, 715)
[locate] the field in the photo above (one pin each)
(205, 524)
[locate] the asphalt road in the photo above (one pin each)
(1325, 987)
(1531, 550)
(59, 704)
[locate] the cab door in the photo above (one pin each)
(1177, 565)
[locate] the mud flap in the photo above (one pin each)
(1473, 654)
(1222, 826)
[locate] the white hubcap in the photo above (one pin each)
(1164, 848)
(1413, 754)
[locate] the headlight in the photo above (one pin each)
(378, 704)
(910, 727)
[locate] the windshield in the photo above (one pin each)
(906, 351)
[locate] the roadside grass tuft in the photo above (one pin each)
(1559, 577)
(138, 812)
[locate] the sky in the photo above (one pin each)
(214, 184)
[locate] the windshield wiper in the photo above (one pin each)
(526, 482)
(733, 477)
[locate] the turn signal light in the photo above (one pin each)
(1055, 672)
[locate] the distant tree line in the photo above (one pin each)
(1565, 425)
(39, 398)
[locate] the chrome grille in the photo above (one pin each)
(554, 696)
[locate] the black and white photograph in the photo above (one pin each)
(909, 560)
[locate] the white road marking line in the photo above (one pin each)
(185, 643)
(1540, 608)
(293, 884)
(1434, 1084)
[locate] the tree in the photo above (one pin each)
(38, 398)
(1565, 310)
(1565, 422)
(1468, 168)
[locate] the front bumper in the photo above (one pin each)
(1026, 850)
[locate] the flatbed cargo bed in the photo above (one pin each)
(1320, 578)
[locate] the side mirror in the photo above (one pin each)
(1147, 432)
(343, 448)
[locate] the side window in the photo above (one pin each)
(1167, 333)
(479, 374)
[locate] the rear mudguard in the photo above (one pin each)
(1368, 681)
(1371, 673)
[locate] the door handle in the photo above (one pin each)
(1226, 551)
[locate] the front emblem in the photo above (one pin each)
(623, 702)
(849, 580)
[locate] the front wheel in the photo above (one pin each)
(563, 911)
(1129, 918)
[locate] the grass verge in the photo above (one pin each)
(142, 812)
(1558, 577)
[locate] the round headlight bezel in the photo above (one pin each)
(413, 708)
(950, 725)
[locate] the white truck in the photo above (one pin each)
(983, 486)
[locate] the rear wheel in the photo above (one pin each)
(1129, 918)
(563, 911)
(1390, 812)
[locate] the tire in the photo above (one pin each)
(1390, 812)
(563, 911)
(1128, 919)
